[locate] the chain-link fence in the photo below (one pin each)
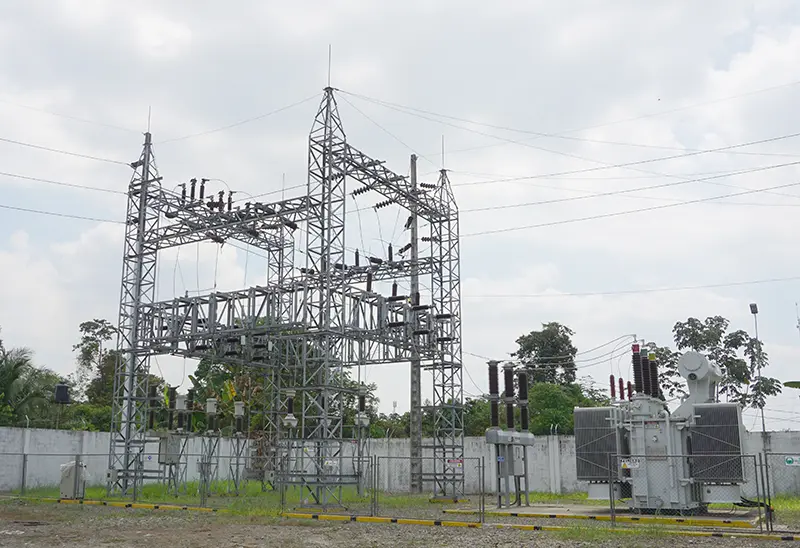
(722, 489)
(189, 479)
(235, 482)
(781, 472)
(441, 489)
(332, 486)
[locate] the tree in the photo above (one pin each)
(736, 353)
(94, 361)
(549, 354)
(25, 390)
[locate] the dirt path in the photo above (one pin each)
(29, 524)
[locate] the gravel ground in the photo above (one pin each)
(31, 524)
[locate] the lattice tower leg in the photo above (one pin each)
(448, 394)
(323, 307)
(129, 406)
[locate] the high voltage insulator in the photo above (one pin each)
(409, 221)
(291, 224)
(383, 204)
(403, 249)
(203, 188)
(430, 239)
(376, 260)
(427, 185)
(183, 192)
(192, 188)
(230, 200)
(357, 258)
(360, 191)
(391, 258)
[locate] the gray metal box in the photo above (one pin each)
(72, 487)
(169, 450)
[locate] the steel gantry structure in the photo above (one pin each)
(307, 325)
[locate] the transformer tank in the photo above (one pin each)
(659, 460)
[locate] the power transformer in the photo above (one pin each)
(658, 460)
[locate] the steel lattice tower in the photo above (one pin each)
(307, 326)
(129, 410)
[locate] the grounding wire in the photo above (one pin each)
(412, 111)
(240, 122)
(389, 133)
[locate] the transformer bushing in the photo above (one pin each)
(511, 454)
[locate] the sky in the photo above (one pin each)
(619, 166)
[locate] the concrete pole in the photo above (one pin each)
(416, 371)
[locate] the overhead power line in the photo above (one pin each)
(627, 212)
(68, 116)
(630, 164)
(57, 214)
(564, 133)
(603, 165)
(636, 189)
(630, 291)
(66, 152)
(61, 183)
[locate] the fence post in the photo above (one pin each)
(24, 473)
(377, 491)
(76, 482)
(482, 489)
(611, 501)
(759, 485)
(768, 494)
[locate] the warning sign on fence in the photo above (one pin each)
(456, 463)
(628, 464)
(792, 461)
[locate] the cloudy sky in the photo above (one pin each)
(681, 115)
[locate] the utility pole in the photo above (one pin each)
(754, 312)
(416, 370)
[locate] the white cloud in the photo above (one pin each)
(675, 76)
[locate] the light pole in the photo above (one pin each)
(754, 312)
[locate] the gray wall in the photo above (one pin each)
(551, 461)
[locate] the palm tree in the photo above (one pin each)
(23, 387)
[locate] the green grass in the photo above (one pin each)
(628, 537)
(565, 498)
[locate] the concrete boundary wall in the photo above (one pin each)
(551, 459)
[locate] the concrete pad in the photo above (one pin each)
(739, 517)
